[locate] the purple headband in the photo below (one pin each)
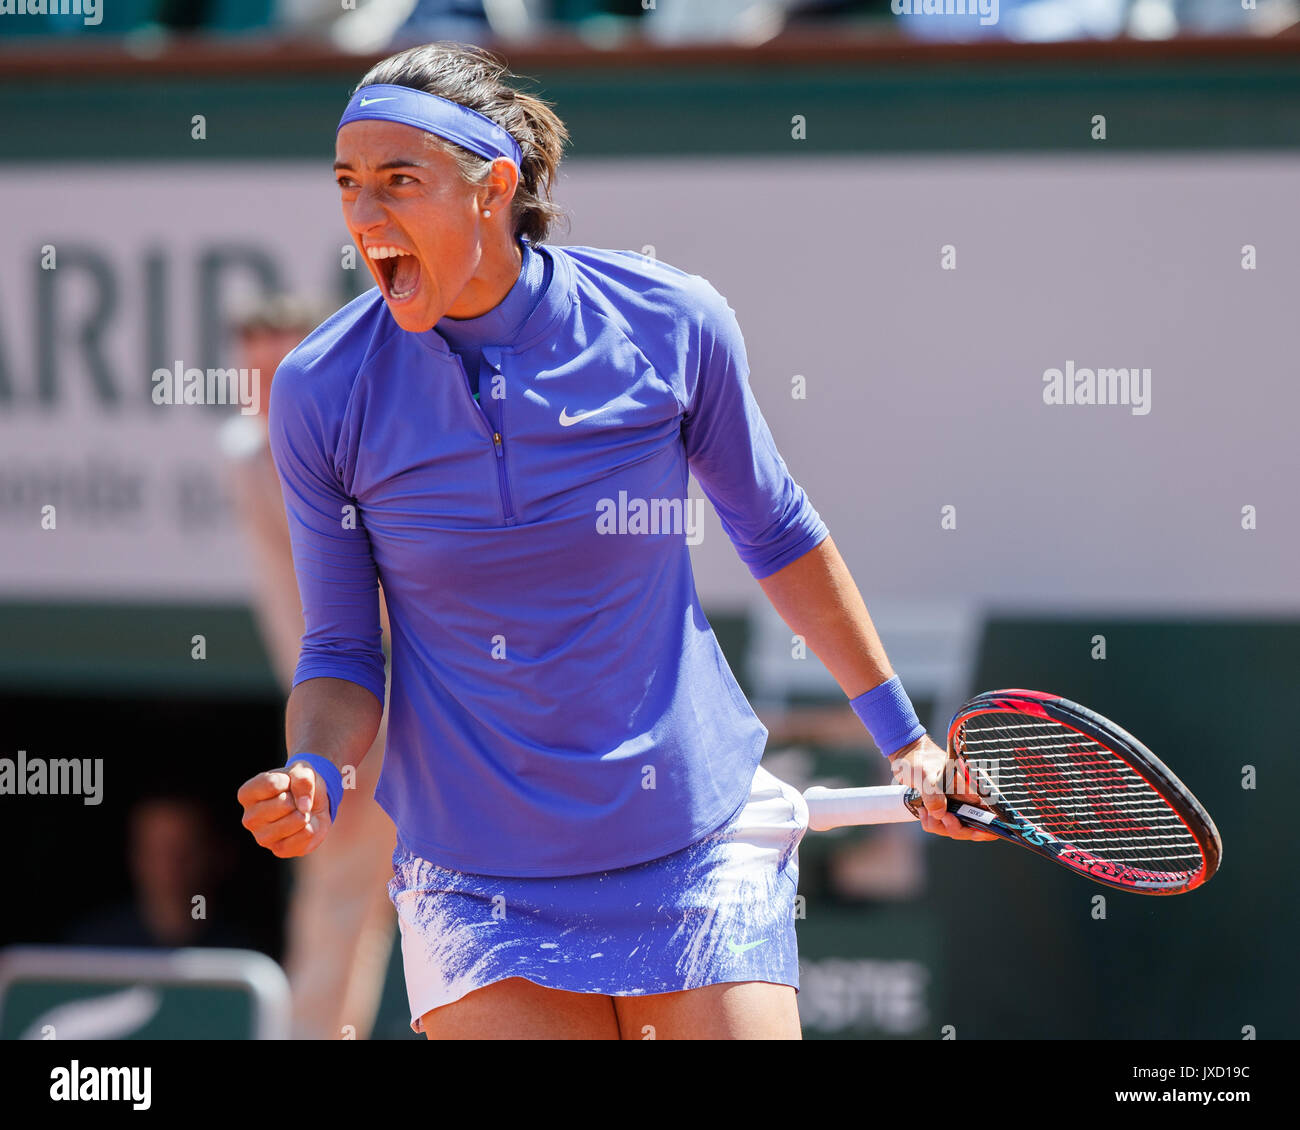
(467, 128)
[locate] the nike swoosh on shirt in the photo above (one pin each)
(738, 949)
(567, 421)
(372, 101)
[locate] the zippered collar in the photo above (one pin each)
(554, 303)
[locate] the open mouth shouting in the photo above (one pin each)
(397, 270)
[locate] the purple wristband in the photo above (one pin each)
(887, 713)
(329, 771)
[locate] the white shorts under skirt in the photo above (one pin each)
(721, 909)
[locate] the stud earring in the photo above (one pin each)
(486, 213)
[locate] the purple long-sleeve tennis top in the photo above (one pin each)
(559, 703)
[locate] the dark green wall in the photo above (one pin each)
(711, 109)
(1023, 954)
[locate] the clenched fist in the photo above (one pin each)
(287, 810)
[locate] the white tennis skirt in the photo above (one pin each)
(721, 909)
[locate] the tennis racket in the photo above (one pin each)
(1063, 782)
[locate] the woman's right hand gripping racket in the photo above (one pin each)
(1064, 782)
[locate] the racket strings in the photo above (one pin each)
(1079, 791)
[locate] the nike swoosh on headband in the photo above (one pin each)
(429, 112)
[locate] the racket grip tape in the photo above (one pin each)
(882, 804)
(839, 808)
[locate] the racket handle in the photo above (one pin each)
(836, 808)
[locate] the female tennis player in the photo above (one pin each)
(501, 435)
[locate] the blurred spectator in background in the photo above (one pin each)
(1036, 20)
(175, 859)
(375, 25)
(735, 21)
(1042, 21)
(1217, 17)
(341, 923)
(381, 24)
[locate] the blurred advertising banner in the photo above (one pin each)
(1006, 377)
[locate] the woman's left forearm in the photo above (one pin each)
(817, 597)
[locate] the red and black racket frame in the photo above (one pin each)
(1010, 825)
